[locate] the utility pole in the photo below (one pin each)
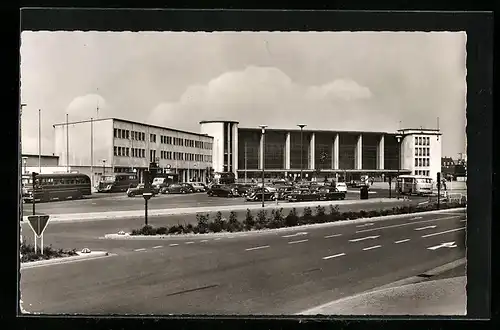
(246, 161)
(67, 144)
(39, 141)
(263, 127)
(92, 151)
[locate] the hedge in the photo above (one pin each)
(277, 219)
(28, 253)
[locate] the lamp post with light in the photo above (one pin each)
(103, 166)
(398, 186)
(301, 148)
(263, 131)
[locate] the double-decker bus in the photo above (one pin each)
(117, 182)
(58, 186)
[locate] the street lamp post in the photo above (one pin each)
(301, 148)
(103, 166)
(398, 186)
(263, 128)
(25, 160)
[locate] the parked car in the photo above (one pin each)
(341, 187)
(177, 188)
(221, 191)
(303, 195)
(160, 183)
(283, 192)
(329, 193)
(256, 194)
(240, 189)
(139, 190)
(199, 186)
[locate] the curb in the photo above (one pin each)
(63, 260)
(127, 236)
(193, 210)
(407, 281)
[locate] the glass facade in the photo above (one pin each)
(274, 150)
(370, 146)
(248, 149)
(295, 150)
(347, 150)
(390, 153)
(323, 151)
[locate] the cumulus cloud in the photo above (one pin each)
(256, 95)
(85, 106)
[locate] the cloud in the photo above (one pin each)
(84, 107)
(256, 95)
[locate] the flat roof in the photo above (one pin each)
(219, 121)
(134, 122)
(315, 130)
(43, 156)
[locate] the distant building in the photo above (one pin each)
(44, 164)
(111, 145)
(325, 153)
(453, 169)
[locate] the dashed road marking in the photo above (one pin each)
(138, 250)
(189, 243)
(405, 224)
(157, 247)
(365, 225)
(372, 247)
(216, 239)
(416, 218)
(402, 241)
(296, 234)
(427, 227)
(363, 238)
(295, 242)
(334, 235)
(204, 240)
(173, 244)
(443, 232)
(334, 256)
(422, 203)
(257, 248)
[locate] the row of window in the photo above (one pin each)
(422, 172)
(63, 181)
(119, 133)
(141, 153)
(422, 151)
(422, 162)
(422, 141)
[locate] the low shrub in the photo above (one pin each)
(189, 228)
(292, 219)
(28, 253)
(321, 214)
(202, 226)
(161, 231)
(249, 221)
(233, 224)
(277, 219)
(262, 220)
(307, 216)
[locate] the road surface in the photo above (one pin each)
(261, 273)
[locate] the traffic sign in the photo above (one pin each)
(38, 223)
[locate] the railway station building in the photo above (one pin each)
(347, 155)
(112, 145)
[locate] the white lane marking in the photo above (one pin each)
(295, 242)
(446, 245)
(405, 224)
(402, 241)
(365, 225)
(138, 250)
(230, 237)
(363, 238)
(463, 220)
(334, 256)
(216, 239)
(443, 232)
(427, 227)
(174, 244)
(157, 247)
(422, 203)
(372, 247)
(257, 248)
(189, 243)
(334, 235)
(296, 234)
(204, 240)
(416, 218)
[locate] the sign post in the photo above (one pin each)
(439, 188)
(147, 195)
(38, 223)
(35, 186)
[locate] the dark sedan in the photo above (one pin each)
(303, 195)
(329, 193)
(221, 191)
(139, 190)
(256, 194)
(177, 189)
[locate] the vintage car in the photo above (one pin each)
(256, 194)
(199, 186)
(303, 195)
(177, 188)
(139, 190)
(330, 193)
(221, 190)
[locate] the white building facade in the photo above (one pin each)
(112, 145)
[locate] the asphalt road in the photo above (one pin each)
(120, 202)
(69, 235)
(261, 273)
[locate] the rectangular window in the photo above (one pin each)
(127, 136)
(127, 151)
(115, 151)
(428, 162)
(416, 161)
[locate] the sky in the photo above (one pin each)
(373, 81)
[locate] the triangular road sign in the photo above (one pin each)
(38, 223)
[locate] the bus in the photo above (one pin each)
(58, 186)
(117, 182)
(224, 178)
(414, 184)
